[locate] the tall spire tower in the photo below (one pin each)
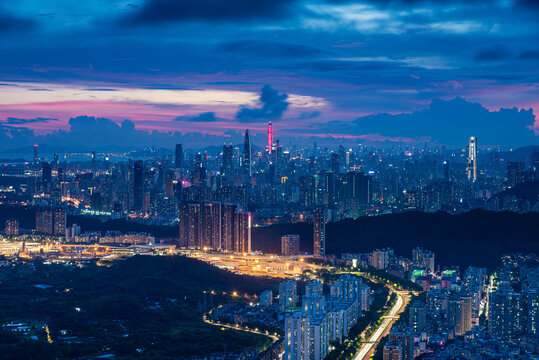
(471, 167)
(270, 137)
(247, 154)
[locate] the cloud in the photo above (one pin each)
(159, 11)
(273, 107)
(529, 54)
(273, 48)
(20, 121)
(203, 117)
(493, 53)
(12, 23)
(447, 122)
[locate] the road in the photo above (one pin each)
(237, 328)
(385, 325)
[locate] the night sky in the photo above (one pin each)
(153, 72)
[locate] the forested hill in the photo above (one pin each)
(476, 238)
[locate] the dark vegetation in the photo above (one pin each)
(476, 238)
(143, 307)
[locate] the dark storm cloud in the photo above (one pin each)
(448, 122)
(493, 53)
(19, 121)
(13, 23)
(158, 11)
(273, 106)
(203, 117)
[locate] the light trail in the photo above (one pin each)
(379, 333)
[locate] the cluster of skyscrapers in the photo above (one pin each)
(216, 226)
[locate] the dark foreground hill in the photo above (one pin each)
(143, 307)
(476, 238)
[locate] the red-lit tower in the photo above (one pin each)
(270, 137)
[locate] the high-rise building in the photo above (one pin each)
(270, 138)
(319, 233)
(266, 298)
(515, 173)
(288, 294)
(51, 221)
(242, 232)
(169, 183)
(228, 152)
(178, 158)
(246, 165)
(138, 186)
(60, 220)
(290, 245)
(44, 221)
(417, 317)
(505, 313)
(46, 172)
(12, 227)
(471, 161)
(36, 157)
(297, 337)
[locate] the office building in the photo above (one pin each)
(319, 233)
(471, 160)
(12, 227)
(138, 186)
(178, 156)
(290, 245)
(246, 161)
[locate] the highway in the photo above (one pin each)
(371, 343)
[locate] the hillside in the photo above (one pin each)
(476, 238)
(152, 304)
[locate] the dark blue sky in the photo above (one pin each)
(394, 71)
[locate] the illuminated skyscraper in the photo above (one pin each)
(59, 222)
(138, 186)
(36, 157)
(247, 155)
(270, 137)
(319, 233)
(471, 167)
(290, 245)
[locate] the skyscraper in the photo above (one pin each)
(471, 167)
(138, 186)
(36, 157)
(290, 245)
(227, 159)
(270, 137)
(46, 172)
(319, 233)
(178, 160)
(247, 155)
(59, 222)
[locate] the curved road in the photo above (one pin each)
(237, 328)
(384, 326)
